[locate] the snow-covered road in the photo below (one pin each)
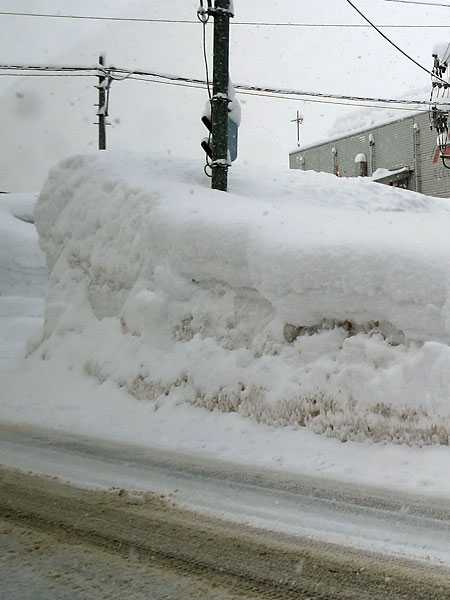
(358, 517)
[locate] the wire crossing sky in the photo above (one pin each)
(194, 22)
(324, 49)
(419, 3)
(254, 88)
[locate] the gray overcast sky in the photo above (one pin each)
(43, 120)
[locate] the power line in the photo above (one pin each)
(48, 75)
(62, 68)
(200, 86)
(271, 90)
(95, 18)
(191, 21)
(279, 96)
(267, 93)
(336, 25)
(417, 2)
(383, 35)
(111, 70)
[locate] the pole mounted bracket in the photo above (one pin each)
(220, 97)
(221, 9)
(220, 163)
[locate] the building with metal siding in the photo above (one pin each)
(402, 152)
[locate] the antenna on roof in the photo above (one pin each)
(299, 120)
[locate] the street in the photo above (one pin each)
(166, 521)
(37, 566)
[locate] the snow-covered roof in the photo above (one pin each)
(368, 125)
(356, 122)
(381, 174)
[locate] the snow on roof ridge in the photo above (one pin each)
(350, 133)
(362, 121)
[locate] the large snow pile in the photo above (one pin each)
(22, 269)
(295, 299)
(23, 276)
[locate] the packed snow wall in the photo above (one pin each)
(295, 299)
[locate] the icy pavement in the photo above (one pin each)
(399, 524)
(35, 565)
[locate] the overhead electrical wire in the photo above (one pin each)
(94, 18)
(383, 35)
(420, 3)
(42, 70)
(48, 75)
(199, 86)
(271, 90)
(192, 21)
(280, 97)
(203, 16)
(50, 68)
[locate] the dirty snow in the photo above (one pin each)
(297, 299)
(170, 308)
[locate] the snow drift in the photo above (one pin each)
(296, 299)
(23, 277)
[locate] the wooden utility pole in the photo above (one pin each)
(101, 112)
(219, 110)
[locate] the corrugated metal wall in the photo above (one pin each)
(395, 146)
(435, 178)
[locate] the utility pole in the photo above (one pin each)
(101, 112)
(219, 110)
(299, 121)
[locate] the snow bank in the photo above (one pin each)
(23, 277)
(22, 267)
(296, 299)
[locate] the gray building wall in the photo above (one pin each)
(408, 142)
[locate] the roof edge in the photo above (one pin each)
(353, 133)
